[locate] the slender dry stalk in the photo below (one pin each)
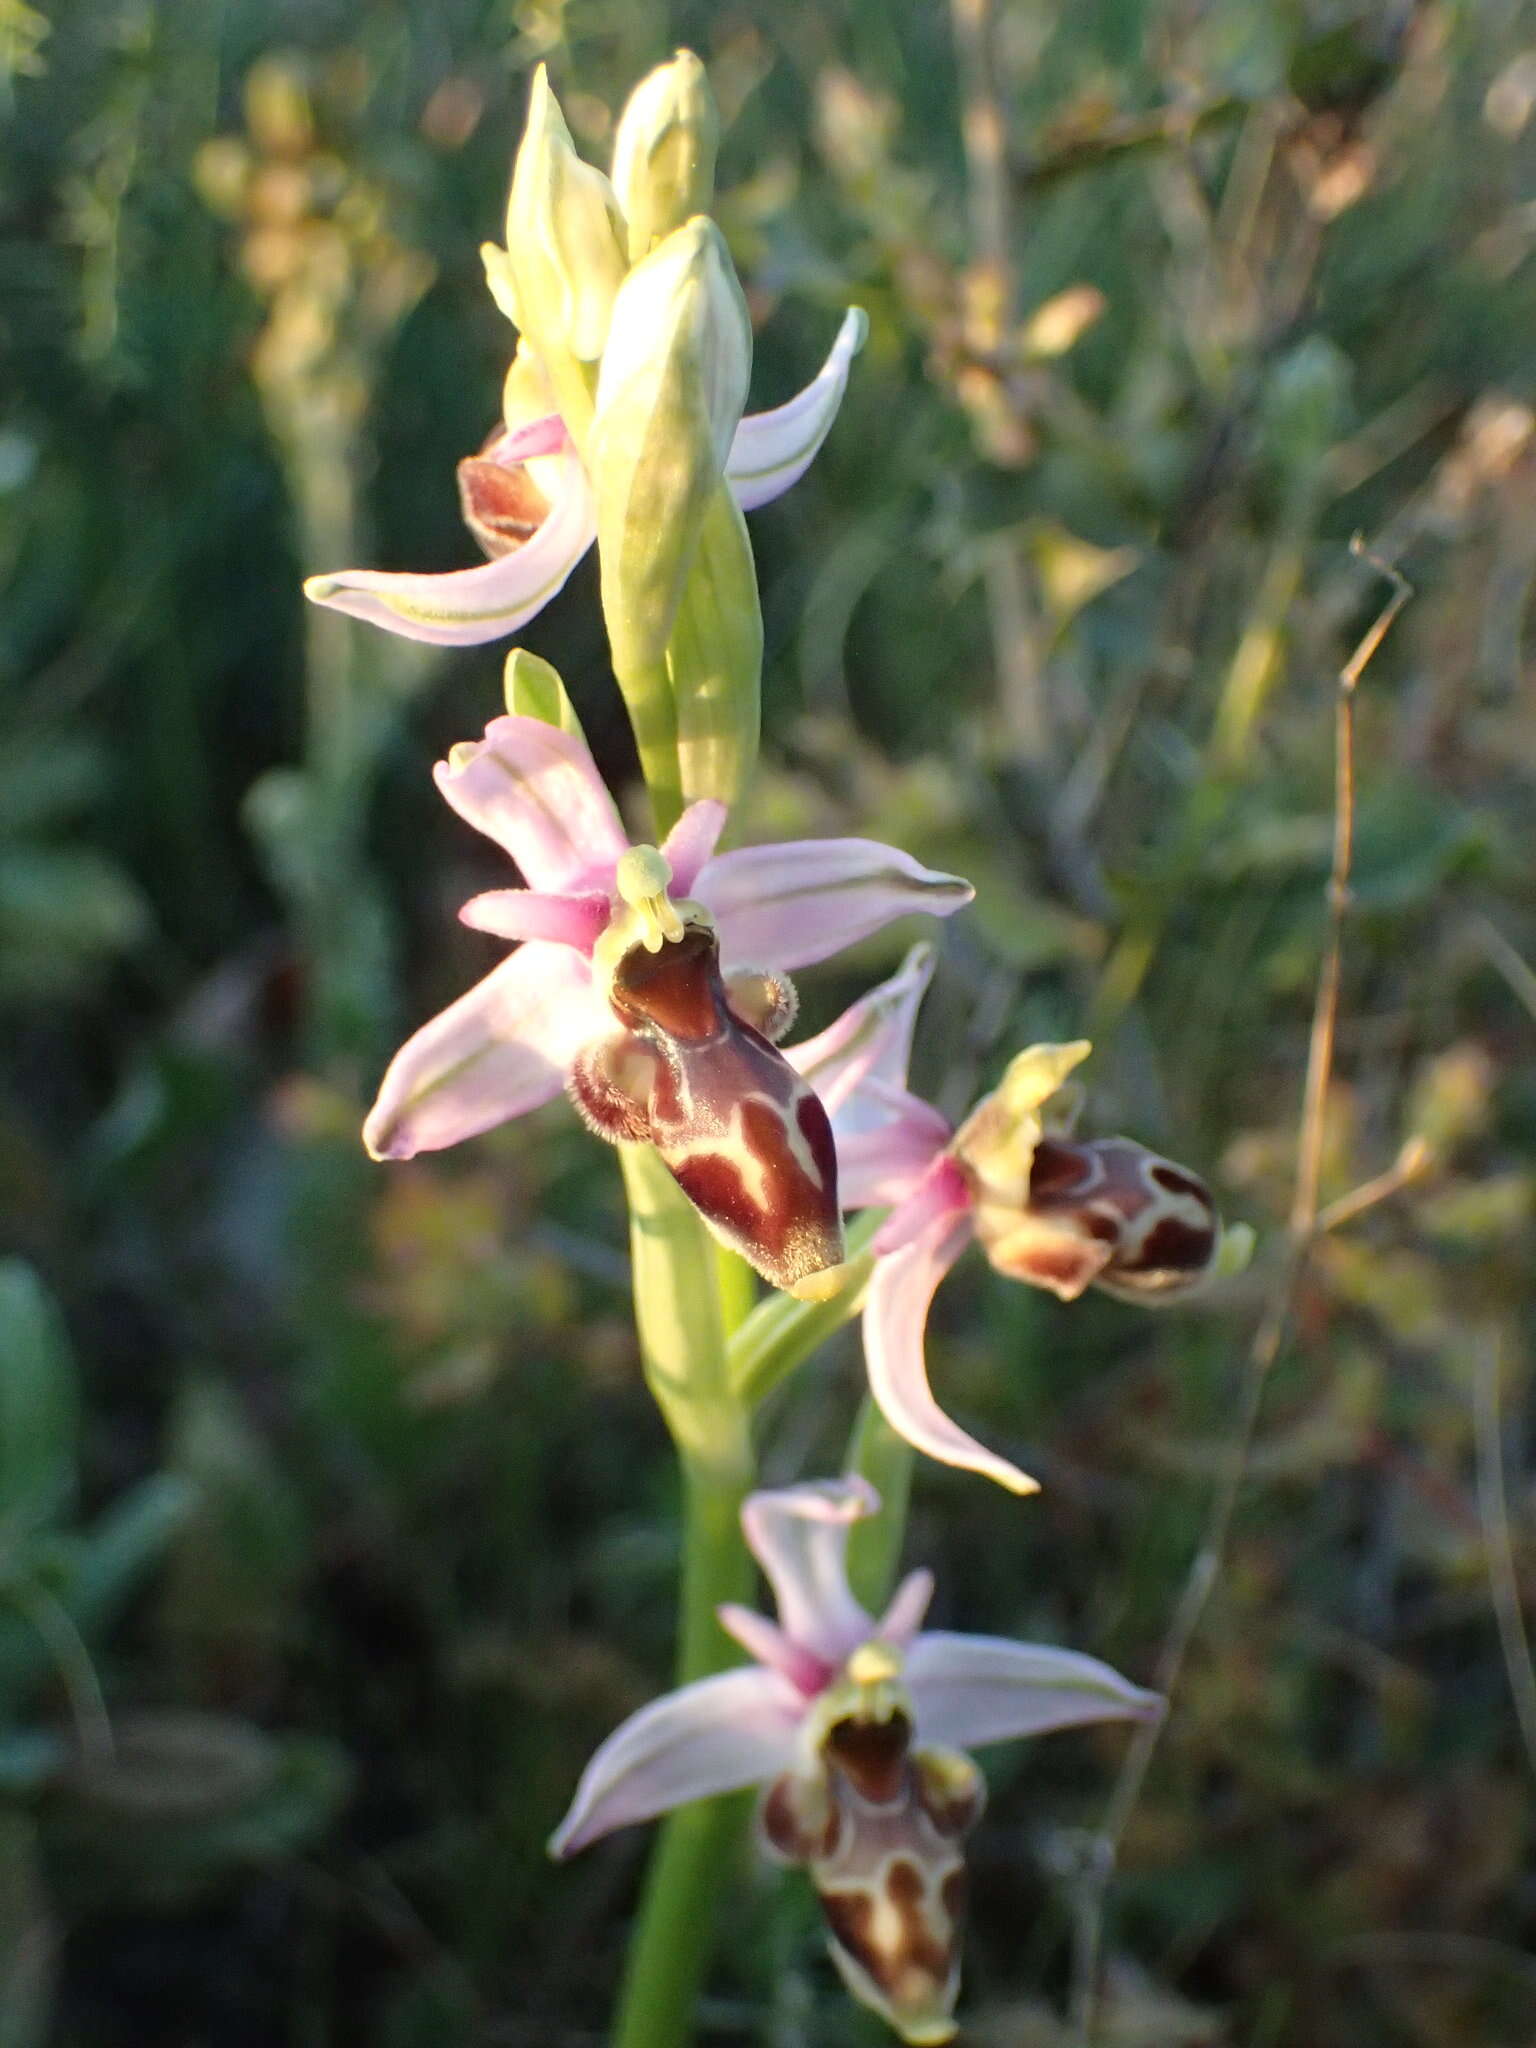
(990, 310)
(1098, 1864)
(1416, 1157)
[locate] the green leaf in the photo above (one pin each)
(183, 1801)
(125, 1541)
(39, 1404)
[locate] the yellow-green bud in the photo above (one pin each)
(533, 689)
(565, 240)
(669, 399)
(715, 658)
(664, 152)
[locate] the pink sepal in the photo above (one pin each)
(894, 1318)
(536, 791)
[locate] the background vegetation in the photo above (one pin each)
(333, 1489)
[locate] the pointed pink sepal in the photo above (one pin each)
(773, 450)
(714, 1736)
(499, 1050)
(536, 791)
(799, 1535)
(895, 1315)
(869, 1044)
(466, 606)
(790, 905)
(971, 1690)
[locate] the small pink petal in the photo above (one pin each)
(971, 1690)
(881, 1168)
(773, 450)
(536, 791)
(909, 1604)
(499, 1050)
(546, 436)
(765, 1641)
(714, 1736)
(894, 1318)
(467, 606)
(691, 842)
(941, 1193)
(799, 1535)
(526, 914)
(870, 1042)
(790, 905)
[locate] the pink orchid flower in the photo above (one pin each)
(528, 501)
(1055, 1212)
(857, 1729)
(657, 1013)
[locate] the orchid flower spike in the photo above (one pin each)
(650, 982)
(1054, 1211)
(857, 1729)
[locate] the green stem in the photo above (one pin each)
(885, 1459)
(781, 1332)
(687, 1296)
(653, 716)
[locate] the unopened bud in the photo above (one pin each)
(565, 245)
(533, 689)
(670, 396)
(664, 152)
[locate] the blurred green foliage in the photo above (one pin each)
(356, 1523)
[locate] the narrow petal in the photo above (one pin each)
(691, 842)
(970, 1690)
(941, 1193)
(884, 1168)
(767, 1642)
(543, 436)
(527, 914)
(773, 450)
(499, 1050)
(799, 1535)
(466, 606)
(793, 904)
(871, 1041)
(894, 1319)
(536, 791)
(909, 1604)
(714, 1736)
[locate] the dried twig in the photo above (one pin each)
(1098, 1864)
(991, 293)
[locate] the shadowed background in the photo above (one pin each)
(332, 1489)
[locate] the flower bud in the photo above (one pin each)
(669, 400)
(664, 152)
(533, 689)
(565, 248)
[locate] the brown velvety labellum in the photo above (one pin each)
(503, 507)
(743, 1136)
(1158, 1219)
(889, 1874)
